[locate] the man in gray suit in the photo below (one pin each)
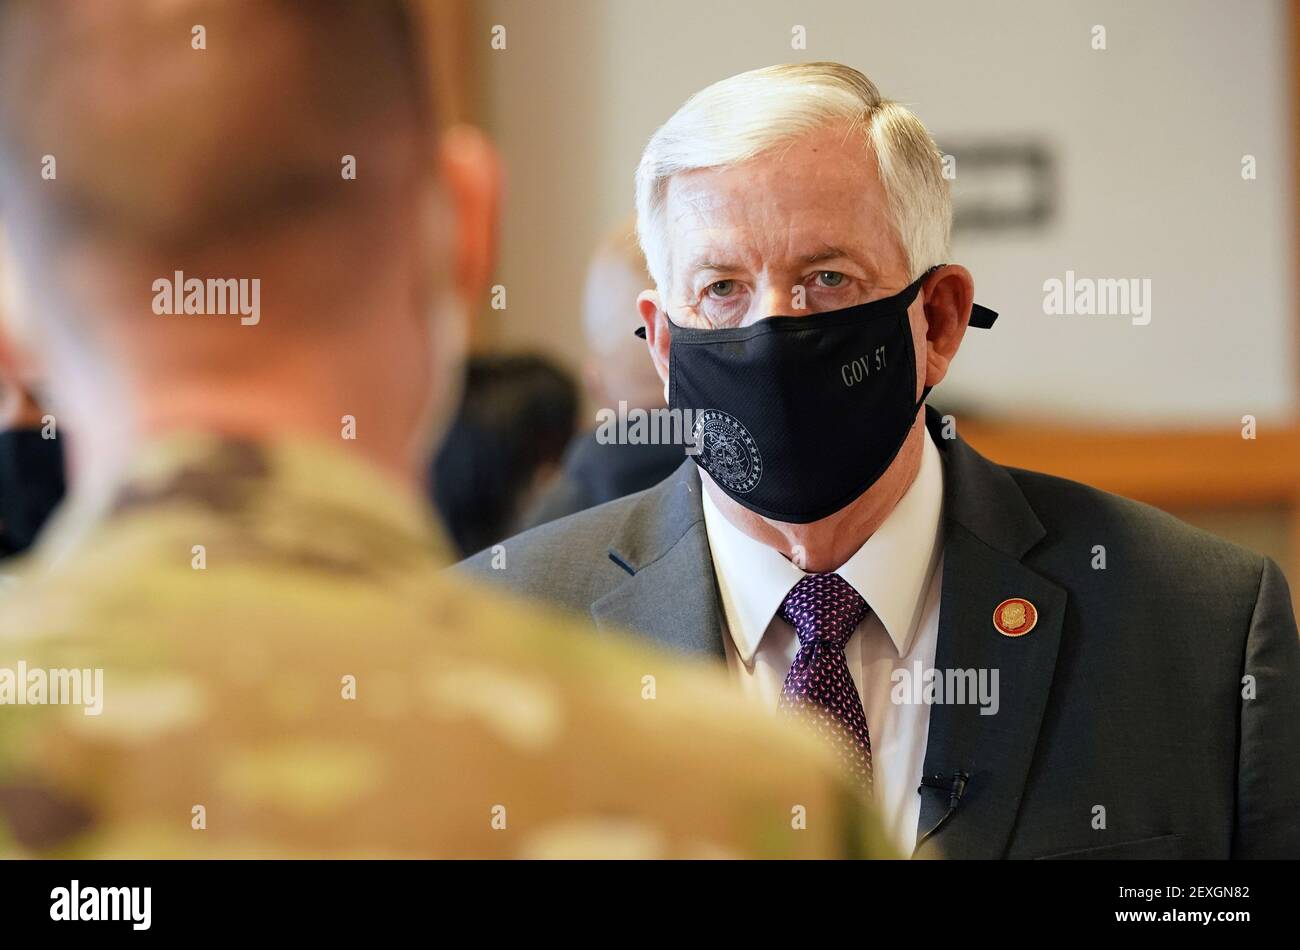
(1012, 665)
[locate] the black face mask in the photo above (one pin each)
(796, 417)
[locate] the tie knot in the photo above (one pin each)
(823, 608)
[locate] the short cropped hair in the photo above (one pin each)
(167, 142)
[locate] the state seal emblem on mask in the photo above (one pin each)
(727, 451)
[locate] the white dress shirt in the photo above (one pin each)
(898, 572)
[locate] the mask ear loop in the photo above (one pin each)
(980, 317)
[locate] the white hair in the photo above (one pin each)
(739, 118)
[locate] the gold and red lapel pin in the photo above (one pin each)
(1015, 617)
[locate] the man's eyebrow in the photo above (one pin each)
(709, 264)
(827, 254)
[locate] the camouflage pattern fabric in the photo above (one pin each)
(286, 672)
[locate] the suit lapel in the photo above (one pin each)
(989, 527)
(671, 592)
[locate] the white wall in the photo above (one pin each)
(1149, 137)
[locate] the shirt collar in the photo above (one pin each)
(288, 481)
(891, 571)
(753, 579)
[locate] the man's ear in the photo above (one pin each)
(471, 171)
(18, 365)
(948, 294)
(9, 360)
(658, 335)
(18, 406)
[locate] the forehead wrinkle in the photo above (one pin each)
(692, 210)
(727, 222)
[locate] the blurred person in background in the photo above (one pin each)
(240, 606)
(31, 470)
(516, 416)
(618, 379)
(31, 459)
(839, 548)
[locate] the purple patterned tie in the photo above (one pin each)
(824, 610)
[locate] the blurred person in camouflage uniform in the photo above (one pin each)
(244, 571)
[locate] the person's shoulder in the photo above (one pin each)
(1135, 540)
(571, 532)
(666, 742)
(565, 561)
(45, 592)
(232, 688)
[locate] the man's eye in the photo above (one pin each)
(722, 288)
(830, 278)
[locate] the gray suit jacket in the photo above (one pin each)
(1124, 727)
